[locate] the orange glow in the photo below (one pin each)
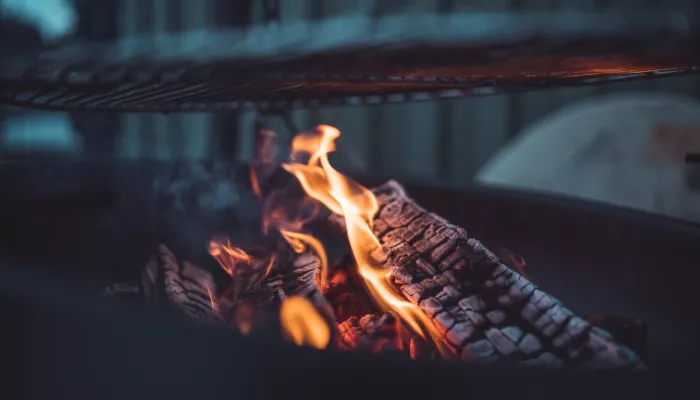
(299, 241)
(357, 205)
(211, 300)
(243, 318)
(255, 184)
(227, 256)
(303, 324)
(270, 263)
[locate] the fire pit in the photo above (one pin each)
(326, 262)
(288, 268)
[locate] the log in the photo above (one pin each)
(180, 286)
(346, 293)
(290, 274)
(485, 311)
(376, 332)
(632, 332)
(170, 283)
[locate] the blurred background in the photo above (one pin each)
(622, 143)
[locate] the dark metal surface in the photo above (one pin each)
(352, 61)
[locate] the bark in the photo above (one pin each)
(373, 332)
(290, 274)
(486, 312)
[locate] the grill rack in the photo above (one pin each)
(281, 68)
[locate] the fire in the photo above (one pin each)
(228, 256)
(289, 219)
(357, 205)
(299, 241)
(303, 324)
(213, 304)
(255, 183)
(239, 265)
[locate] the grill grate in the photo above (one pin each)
(423, 61)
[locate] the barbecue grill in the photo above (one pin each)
(592, 256)
(352, 60)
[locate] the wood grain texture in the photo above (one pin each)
(486, 311)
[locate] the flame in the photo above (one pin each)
(357, 205)
(243, 268)
(303, 324)
(214, 306)
(228, 256)
(255, 183)
(299, 241)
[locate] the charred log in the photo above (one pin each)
(170, 283)
(346, 293)
(486, 311)
(633, 333)
(289, 274)
(377, 332)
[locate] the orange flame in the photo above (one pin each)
(357, 205)
(299, 241)
(227, 256)
(303, 324)
(255, 183)
(214, 306)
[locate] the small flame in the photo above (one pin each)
(299, 241)
(358, 205)
(214, 306)
(303, 324)
(255, 183)
(228, 256)
(270, 263)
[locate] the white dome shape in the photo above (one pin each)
(625, 149)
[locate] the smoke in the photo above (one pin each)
(199, 200)
(54, 19)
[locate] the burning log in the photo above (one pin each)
(260, 285)
(373, 332)
(291, 275)
(179, 285)
(346, 293)
(484, 311)
(631, 332)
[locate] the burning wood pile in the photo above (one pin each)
(410, 282)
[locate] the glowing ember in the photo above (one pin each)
(213, 304)
(358, 206)
(303, 325)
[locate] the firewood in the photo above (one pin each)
(290, 274)
(633, 333)
(170, 283)
(346, 293)
(485, 311)
(375, 332)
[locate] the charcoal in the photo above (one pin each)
(485, 310)
(373, 332)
